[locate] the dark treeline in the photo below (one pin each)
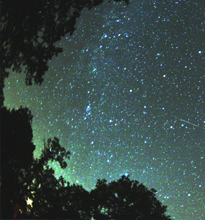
(29, 189)
(23, 178)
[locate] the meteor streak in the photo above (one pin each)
(188, 122)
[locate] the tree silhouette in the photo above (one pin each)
(126, 199)
(43, 186)
(29, 31)
(16, 154)
(22, 176)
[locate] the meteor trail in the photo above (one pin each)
(188, 122)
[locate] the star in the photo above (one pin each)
(29, 202)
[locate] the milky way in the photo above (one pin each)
(127, 97)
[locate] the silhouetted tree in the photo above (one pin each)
(16, 155)
(29, 31)
(126, 199)
(22, 176)
(40, 180)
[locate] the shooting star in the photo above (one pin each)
(188, 122)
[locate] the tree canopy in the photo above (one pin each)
(22, 176)
(126, 199)
(16, 154)
(29, 31)
(25, 178)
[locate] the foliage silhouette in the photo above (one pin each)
(41, 181)
(16, 154)
(29, 31)
(22, 176)
(126, 199)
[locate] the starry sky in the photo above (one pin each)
(126, 96)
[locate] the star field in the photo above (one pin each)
(126, 96)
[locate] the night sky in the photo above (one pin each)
(126, 96)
